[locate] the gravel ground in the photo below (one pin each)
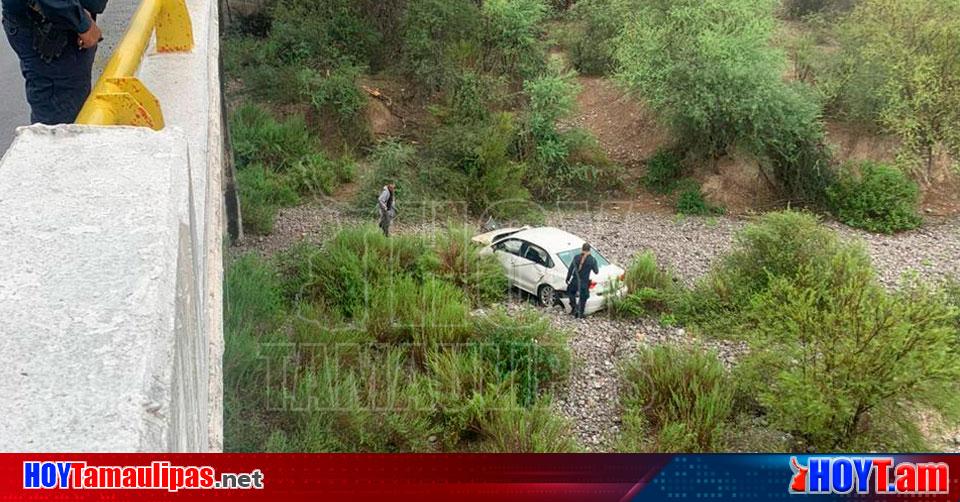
(689, 246)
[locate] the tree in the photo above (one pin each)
(707, 67)
(900, 69)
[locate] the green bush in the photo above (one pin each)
(472, 163)
(690, 202)
(380, 352)
(875, 197)
(843, 364)
(262, 193)
(337, 94)
(896, 70)
(460, 263)
(707, 67)
(561, 162)
(597, 25)
(664, 171)
(835, 359)
(258, 138)
(799, 9)
(675, 400)
(524, 349)
(776, 246)
(650, 288)
(433, 30)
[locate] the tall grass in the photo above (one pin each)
(675, 399)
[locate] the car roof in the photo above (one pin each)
(552, 239)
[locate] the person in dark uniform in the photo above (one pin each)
(56, 41)
(578, 280)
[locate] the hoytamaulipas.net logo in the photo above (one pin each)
(868, 475)
(159, 475)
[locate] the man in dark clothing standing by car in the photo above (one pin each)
(56, 41)
(578, 280)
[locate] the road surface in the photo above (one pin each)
(14, 111)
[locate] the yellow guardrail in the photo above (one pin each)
(119, 98)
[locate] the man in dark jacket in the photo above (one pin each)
(578, 280)
(56, 41)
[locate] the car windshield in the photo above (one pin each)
(567, 257)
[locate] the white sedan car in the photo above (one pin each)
(536, 261)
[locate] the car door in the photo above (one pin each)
(508, 253)
(532, 266)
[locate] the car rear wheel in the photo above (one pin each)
(547, 295)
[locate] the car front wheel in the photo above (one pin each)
(547, 295)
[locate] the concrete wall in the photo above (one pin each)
(111, 296)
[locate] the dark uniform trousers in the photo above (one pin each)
(56, 90)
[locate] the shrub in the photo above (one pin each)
(432, 31)
(510, 38)
(878, 198)
(460, 263)
(403, 310)
(338, 95)
(524, 349)
(897, 70)
(682, 396)
(472, 163)
(374, 405)
(650, 288)
(597, 25)
(664, 171)
(253, 309)
(562, 162)
(262, 193)
(708, 68)
(520, 429)
(778, 245)
(842, 364)
(258, 138)
(691, 202)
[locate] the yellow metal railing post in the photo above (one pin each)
(119, 98)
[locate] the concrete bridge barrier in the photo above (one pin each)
(111, 241)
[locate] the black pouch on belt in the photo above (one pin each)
(49, 40)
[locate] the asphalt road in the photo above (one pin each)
(14, 111)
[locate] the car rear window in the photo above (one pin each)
(567, 257)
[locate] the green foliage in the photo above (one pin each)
(524, 349)
(337, 94)
(690, 202)
(875, 197)
(433, 31)
(682, 397)
(496, 37)
(899, 69)
(776, 246)
(650, 288)
(561, 162)
(843, 364)
(382, 353)
(664, 171)
(459, 262)
(597, 24)
(510, 39)
(258, 138)
(835, 359)
(472, 163)
(708, 68)
(262, 193)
